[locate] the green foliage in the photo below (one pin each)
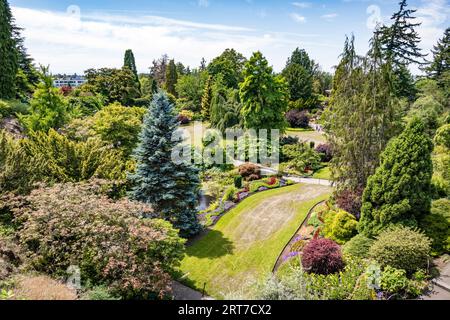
(401, 248)
(83, 104)
(172, 188)
(264, 96)
(119, 126)
(441, 207)
(437, 228)
(238, 181)
(12, 107)
(190, 90)
(48, 106)
(130, 63)
(171, 78)
(230, 64)
(428, 109)
(396, 284)
(115, 85)
(226, 106)
(442, 137)
(86, 230)
(229, 194)
(358, 247)
(339, 226)
(99, 293)
(441, 57)
(300, 156)
(206, 99)
(8, 53)
(400, 190)
(362, 102)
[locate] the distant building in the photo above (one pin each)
(68, 81)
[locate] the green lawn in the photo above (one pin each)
(307, 135)
(324, 173)
(244, 245)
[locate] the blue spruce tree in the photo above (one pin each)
(171, 189)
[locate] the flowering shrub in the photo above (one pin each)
(250, 171)
(111, 242)
(322, 256)
(271, 181)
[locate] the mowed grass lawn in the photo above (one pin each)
(307, 135)
(244, 245)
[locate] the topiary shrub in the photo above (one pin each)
(358, 246)
(322, 256)
(339, 226)
(110, 241)
(402, 248)
(238, 181)
(250, 171)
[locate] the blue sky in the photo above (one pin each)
(72, 36)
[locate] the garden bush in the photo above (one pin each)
(325, 152)
(395, 283)
(350, 201)
(358, 246)
(322, 256)
(442, 207)
(250, 171)
(238, 181)
(230, 194)
(297, 119)
(110, 241)
(339, 226)
(437, 228)
(401, 248)
(85, 104)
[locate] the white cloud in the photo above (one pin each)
(434, 16)
(297, 17)
(329, 16)
(70, 44)
(302, 5)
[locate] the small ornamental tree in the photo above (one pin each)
(297, 119)
(171, 189)
(400, 190)
(322, 256)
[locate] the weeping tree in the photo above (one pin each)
(363, 114)
(171, 188)
(8, 53)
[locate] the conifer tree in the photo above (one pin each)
(441, 57)
(363, 114)
(171, 78)
(299, 74)
(171, 189)
(264, 95)
(130, 62)
(400, 190)
(8, 53)
(206, 99)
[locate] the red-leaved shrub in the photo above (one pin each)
(322, 256)
(297, 119)
(250, 171)
(350, 201)
(325, 152)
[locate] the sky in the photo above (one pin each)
(73, 36)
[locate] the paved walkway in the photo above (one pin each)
(441, 286)
(181, 292)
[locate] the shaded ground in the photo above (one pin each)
(244, 245)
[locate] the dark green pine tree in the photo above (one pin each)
(171, 189)
(400, 41)
(8, 53)
(441, 57)
(206, 99)
(400, 190)
(171, 78)
(130, 62)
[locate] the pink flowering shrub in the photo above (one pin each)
(110, 241)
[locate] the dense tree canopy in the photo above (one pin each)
(8, 53)
(231, 65)
(264, 95)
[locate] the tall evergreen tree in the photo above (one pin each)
(171, 78)
(8, 53)
(264, 95)
(441, 57)
(362, 116)
(400, 40)
(206, 99)
(400, 190)
(171, 189)
(130, 62)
